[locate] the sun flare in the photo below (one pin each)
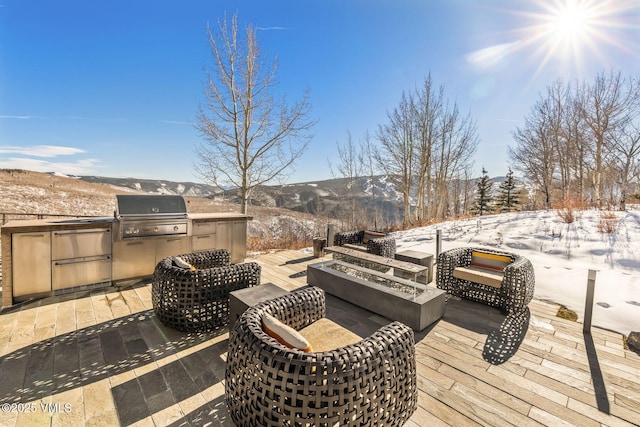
(568, 34)
(572, 21)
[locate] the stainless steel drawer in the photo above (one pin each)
(203, 242)
(204, 228)
(80, 243)
(80, 272)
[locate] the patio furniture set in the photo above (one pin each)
(287, 364)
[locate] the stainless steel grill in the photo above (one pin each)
(150, 215)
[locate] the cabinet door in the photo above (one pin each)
(31, 263)
(239, 242)
(224, 232)
(171, 246)
(134, 258)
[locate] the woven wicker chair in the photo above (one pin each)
(198, 300)
(372, 382)
(514, 294)
(383, 246)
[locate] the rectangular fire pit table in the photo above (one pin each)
(413, 304)
(404, 269)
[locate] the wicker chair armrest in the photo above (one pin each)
(518, 263)
(457, 257)
(213, 275)
(248, 271)
(208, 259)
(520, 269)
(383, 246)
(298, 308)
(382, 239)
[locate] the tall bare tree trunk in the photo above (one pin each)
(251, 138)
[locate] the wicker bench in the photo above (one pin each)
(198, 300)
(368, 241)
(500, 279)
(371, 382)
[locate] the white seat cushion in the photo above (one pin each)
(484, 276)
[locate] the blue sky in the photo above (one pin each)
(112, 88)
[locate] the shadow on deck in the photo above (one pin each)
(106, 355)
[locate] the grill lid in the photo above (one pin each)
(150, 206)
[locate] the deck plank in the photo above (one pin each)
(544, 379)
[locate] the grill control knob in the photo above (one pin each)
(131, 230)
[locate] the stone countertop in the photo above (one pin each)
(24, 226)
(52, 224)
(218, 216)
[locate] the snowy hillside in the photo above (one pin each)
(561, 254)
(156, 186)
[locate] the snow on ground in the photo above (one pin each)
(561, 254)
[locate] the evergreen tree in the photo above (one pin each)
(508, 199)
(483, 196)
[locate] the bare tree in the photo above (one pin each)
(349, 167)
(425, 145)
(356, 164)
(572, 136)
(606, 108)
(251, 138)
(458, 142)
(625, 148)
(396, 154)
(535, 154)
(427, 112)
(577, 143)
(557, 109)
(370, 167)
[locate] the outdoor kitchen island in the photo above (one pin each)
(51, 256)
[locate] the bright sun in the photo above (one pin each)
(567, 35)
(569, 32)
(571, 22)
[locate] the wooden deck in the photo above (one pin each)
(479, 367)
(105, 355)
